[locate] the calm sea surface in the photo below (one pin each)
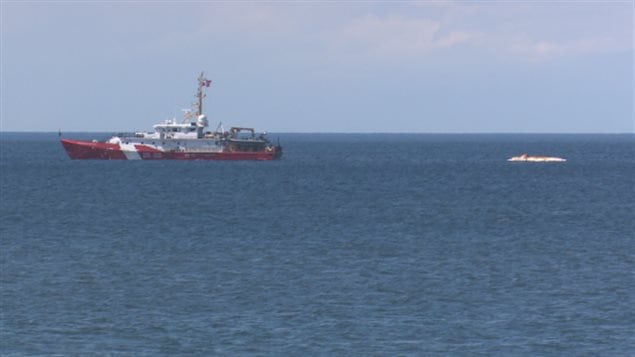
(350, 245)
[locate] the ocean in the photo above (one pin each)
(350, 245)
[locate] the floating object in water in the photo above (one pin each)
(525, 157)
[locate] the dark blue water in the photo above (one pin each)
(349, 245)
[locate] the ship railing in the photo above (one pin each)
(191, 149)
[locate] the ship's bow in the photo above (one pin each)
(91, 150)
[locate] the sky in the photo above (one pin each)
(320, 66)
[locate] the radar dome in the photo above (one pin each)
(201, 121)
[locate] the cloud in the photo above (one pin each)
(384, 34)
(373, 37)
(544, 50)
(324, 33)
(456, 38)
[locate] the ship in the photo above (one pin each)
(187, 139)
(530, 158)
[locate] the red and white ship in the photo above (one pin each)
(187, 140)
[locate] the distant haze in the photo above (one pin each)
(429, 66)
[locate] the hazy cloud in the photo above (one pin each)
(392, 34)
(395, 36)
(542, 50)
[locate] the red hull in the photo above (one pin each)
(88, 150)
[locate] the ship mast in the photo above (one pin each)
(200, 93)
